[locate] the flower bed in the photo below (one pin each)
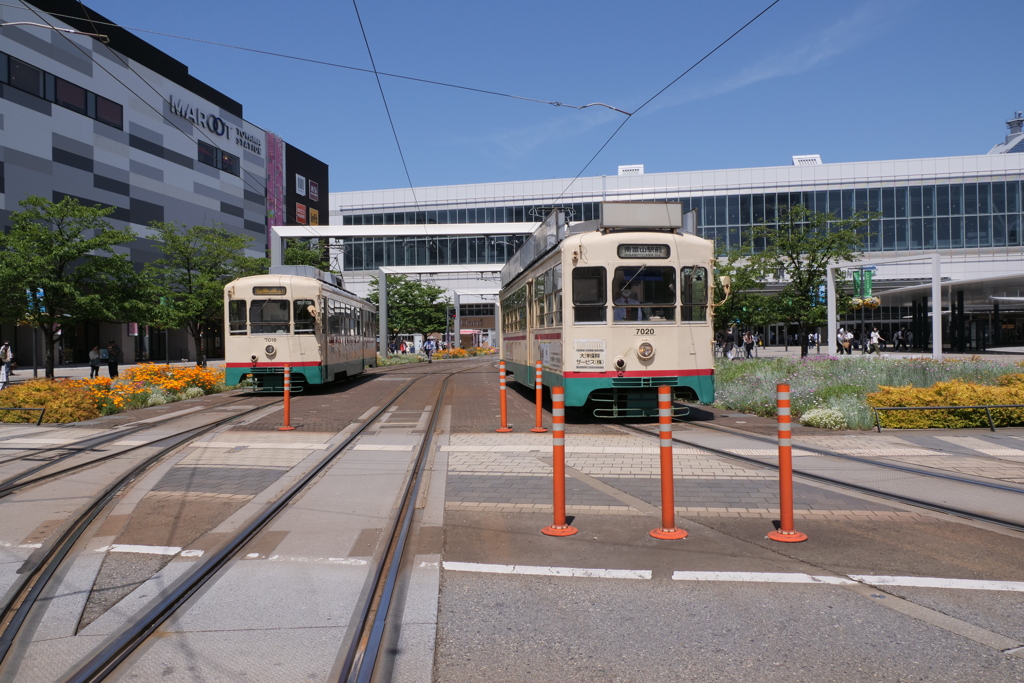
(840, 383)
(955, 393)
(137, 387)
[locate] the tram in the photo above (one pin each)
(301, 317)
(613, 309)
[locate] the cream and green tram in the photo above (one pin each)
(300, 317)
(613, 309)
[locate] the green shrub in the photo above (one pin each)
(824, 418)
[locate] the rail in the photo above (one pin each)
(987, 409)
(42, 411)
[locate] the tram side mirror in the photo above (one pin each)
(311, 309)
(726, 284)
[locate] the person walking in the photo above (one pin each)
(428, 349)
(6, 357)
(94, 362)
(748, 344)
(113, 358)
(875, 340)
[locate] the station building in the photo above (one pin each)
(89, 110)
(968, 209)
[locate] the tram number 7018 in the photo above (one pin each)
(645, 331)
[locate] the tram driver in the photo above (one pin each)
(627, 304)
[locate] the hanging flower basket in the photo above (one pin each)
(856, 303)
(872, 302)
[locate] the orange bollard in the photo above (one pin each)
(560, 527)
(287, 400)
(668, 530)
(504, 405)
(785, 532)
(538, 383)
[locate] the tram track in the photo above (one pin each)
(963, 496)
(368, 626)
(23, 594)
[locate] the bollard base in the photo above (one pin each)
(503, 429)
(539, 430)
(786, 536)
(668, 534)
(559, 530)
(285, 429)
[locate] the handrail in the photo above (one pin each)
(988, 412)
(42, 411)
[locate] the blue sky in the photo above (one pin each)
(851, 81)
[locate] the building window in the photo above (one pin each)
(211, 156)
(25, 77)
(71, 96)
(28, 78)
(110, 113)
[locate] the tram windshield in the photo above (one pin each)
(269, 316)
(644, 292)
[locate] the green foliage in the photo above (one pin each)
(186, 287)
(309, 252)
(840, 383)
(824, 418)
(65, 255)
(800, 247)
(414, 307)
(63, 401)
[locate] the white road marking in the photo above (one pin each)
(143, 549)
(748, 577)
(930, 582)
(760, 577)
(578, 572)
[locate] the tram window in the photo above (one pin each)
(589, 294)
(334, 319)
(269, 316)
(236, 317)
(644, 293)
(305, 323)
(695, 294)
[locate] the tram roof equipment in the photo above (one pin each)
(615, 216)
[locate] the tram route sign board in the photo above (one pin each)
(589, 355)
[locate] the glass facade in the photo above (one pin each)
(371, 253)
(948, 215)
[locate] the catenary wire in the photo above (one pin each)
(394, 132)
(309, 60)
(657, 94)
(255, 187)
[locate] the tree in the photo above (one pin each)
(798, 251)
(300, 252)
(414, 307)
(186, 286)
(59, 267)
(748, 306)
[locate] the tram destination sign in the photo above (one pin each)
(644, 251)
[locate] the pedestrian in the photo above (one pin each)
(908, 340)
(897, 339)
(428, 349)
(7, 357)
(757, 343)
(94, 362)
(874, 342)
(748, 344)
(113, 358)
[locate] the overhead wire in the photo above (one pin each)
(386, 108)
(336, 65)
(657, 94)
(257, 188)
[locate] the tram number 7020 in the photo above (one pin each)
(645, 331)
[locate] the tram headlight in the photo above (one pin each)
(645, 350)
(270, 349)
